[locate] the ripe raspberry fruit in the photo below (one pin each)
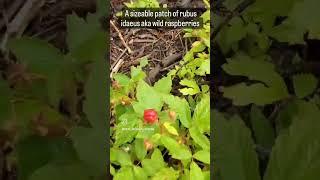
(150, 116)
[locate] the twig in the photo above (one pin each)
(116, 68)
(11, 11)
(22, 19)
(17, 26)
(121, 37)
(116, 61)
(143, 41)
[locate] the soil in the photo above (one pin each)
(157, 44)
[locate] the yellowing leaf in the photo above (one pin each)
(170, 128)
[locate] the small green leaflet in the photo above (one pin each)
(262, 129)
(199, 138)
(176, 150)
(47, 59)
(139, 173)
(230, 35)
(192, 85)
(170, 128)
(125, 173)
(140, 149)
(201, 115)
(166, 174)
(151, 166)
(195, 172)
(94, 155)
(304, 84)
(147, 97)
(125, 128)
(120, 157)
(164, 85)
(203, 156)
(270, 89)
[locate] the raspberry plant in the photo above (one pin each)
(53, 103)
(140, 149)
(269, 132)
(177, 145)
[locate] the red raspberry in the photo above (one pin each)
(150, 116)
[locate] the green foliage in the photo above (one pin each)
(52, 143)
(271, 86)
(134, 140)
(278, 118)
(196, 61)
(304, 84)
(234, 150)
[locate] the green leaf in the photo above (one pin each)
(150, 167)
(295, 154)
(147, 98)
(195, 171)
(93, 155)
(124, 129)
(125, 173)
(203, 156)
(166, 174)
(170, 128)
(120, 157)
(230, 35)
(234, 150)
(201, 115)
(263, 131)
(122, 79)
(94, 104)
(78, 31)
(206, 175)
(139, 173)
(112, 170)
(204, 67)
(295, 26)
(139, 149)
(39, 56)
(53, 150)
(192, 85)
(164, 85)
(176, 150)
(270, 89)
(181, 107)
(304, 84)
(157, 157)
(61, 172)
(199, 138)
(286, 115)
(137, 74)
(91, 50)
(85, 39)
